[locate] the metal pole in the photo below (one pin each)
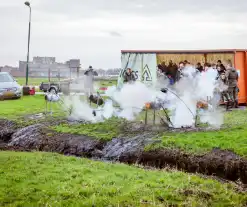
(29, 31)
(49, 75)
(70, 72)
(59, 72)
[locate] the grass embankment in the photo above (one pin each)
(46, 179)
(103, 130)
(232, 137)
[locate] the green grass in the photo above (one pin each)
(24, 106)
(46, 179)
(37, 81)
(233, 137)
(103, 130)
(201, 142)
(237, 117)
(105, 83)
(32, 81)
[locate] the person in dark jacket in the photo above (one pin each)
(179, 73)
(232, 80)
(163, 67)
(171, 72)
(129, 76)
(224, 90)
(222, 67)
(199, 67)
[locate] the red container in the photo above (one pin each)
(32, 91)
(103, 88)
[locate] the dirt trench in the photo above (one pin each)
(221, 163)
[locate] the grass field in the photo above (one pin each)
(24, 106)
(31, 81)
(37, 81)
(233, 137)
(104, 130)
(28, 105)
(46, 179)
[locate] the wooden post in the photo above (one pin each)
(196, 117)
(154, 117)
(146, 116)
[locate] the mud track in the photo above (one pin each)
(221, 163)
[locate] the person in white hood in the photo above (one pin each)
(88, 80)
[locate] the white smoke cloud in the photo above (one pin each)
(191, 89)
(81, 110)
(181, 100)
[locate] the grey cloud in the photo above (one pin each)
(115, 34)
(55, 32)
(91, 8)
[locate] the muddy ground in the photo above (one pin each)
(221, 163)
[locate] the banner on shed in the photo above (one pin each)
(144, 66)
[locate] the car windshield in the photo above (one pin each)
(5, 78)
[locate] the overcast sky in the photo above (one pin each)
(96, 30)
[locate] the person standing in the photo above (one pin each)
(223, 88)
(199, 67)
(129, 76)
(232, 82)
(179, 73)
(222, 67)
(88, 80)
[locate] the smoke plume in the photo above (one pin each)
(181, 100)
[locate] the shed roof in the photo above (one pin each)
(185, 51)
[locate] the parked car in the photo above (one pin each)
(9, 88)
(55, 87)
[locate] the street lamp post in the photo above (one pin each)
(29, 28)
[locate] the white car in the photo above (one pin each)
(9, 88)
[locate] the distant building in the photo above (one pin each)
(45, 66)
(9, 69)
(44, 60)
